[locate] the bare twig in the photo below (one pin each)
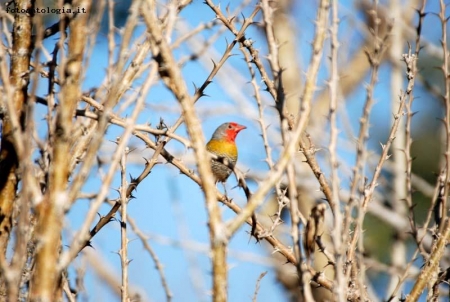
(340, 287)
(83, 236)
(446, 75)
(123, 226)
(432, 265)
(255, 295)
(289, 150)
(410, 62)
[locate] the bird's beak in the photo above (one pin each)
(239, 128)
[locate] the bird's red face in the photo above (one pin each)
(232, 130)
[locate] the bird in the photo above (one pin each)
(223, 146)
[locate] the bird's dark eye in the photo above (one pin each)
(229, 126)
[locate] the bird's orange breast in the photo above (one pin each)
(223, 148)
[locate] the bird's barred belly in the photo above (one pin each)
(220, 171)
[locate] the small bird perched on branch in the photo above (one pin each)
(223, 146)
